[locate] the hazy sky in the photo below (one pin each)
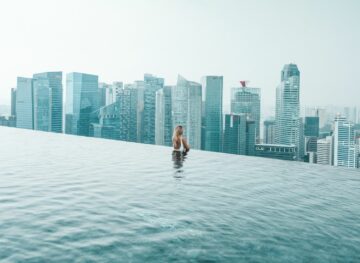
(251, 40)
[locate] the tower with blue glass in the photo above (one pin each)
(212, 116)
(48, 101)
(81, 101)
(24, 103)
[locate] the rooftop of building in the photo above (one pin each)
(66, 198)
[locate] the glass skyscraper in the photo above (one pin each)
(246, 100)
(151, 85)
(24, 103)
(48, 101)
(13, 102)
(239, 135)
(81, 101)
(212, 98)
(344, 143)
(269, 131)
(288, 123)
(186, 109)
(163, 119)
(105, 122)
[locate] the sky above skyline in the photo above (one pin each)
(241, 40)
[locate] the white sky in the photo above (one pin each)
(251, 40)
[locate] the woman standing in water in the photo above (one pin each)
(180, 144)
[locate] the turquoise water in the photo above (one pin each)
(74, 199)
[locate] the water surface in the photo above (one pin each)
(75, 199)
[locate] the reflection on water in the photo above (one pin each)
(178, 159)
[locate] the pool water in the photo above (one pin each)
(76, 199)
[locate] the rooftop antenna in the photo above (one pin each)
(244, 83)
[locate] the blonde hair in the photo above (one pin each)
(178, 131)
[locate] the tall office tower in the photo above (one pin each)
(212, 97)
(81, 101)
(311, 133)
(186, 109)
(350, 114)
(163, 119)
(311, 126)
(152, 85)
(239, 134)
(128, 110)
(344, 143)
(48, 101)
(13, 102)
(117, 87)
(102, 93)
(245, 100)
(269, 131)
(324, 151)
(24, 103)
(105, 122)
(288, 123)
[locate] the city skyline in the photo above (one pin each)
(113, 47)
(146, 111)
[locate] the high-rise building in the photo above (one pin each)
(13, 102)
(81, 102)
(311, 126)
(128, 110)
(350, 113)
(269, 131)
(246, 100)
(117, 87)
(152, 85)
(102, 92)
(186, 109)
(163, 118)
(24, 103)
(239, 134)
(288, 122)
(324, 151)
(105, 122)
(118, 120)
(311, 133)
(212, 97)
(48, 101)
(344, 143)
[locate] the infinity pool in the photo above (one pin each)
(76, 199)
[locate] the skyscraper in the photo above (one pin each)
(81, 101)
(117, 87)
(311, 126)
(102, 93)
(269, 131)
(344, 143)
(152, 85)
(324, 151)
(48, 101)
(186, 109)
(163, 119)
(24, 103)
(239, 135)
(127, 99)
(105, 122)
(212, 97)
(13, 102)
(311, 134)
(118, 120)
(288, 123)
(246, 100)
